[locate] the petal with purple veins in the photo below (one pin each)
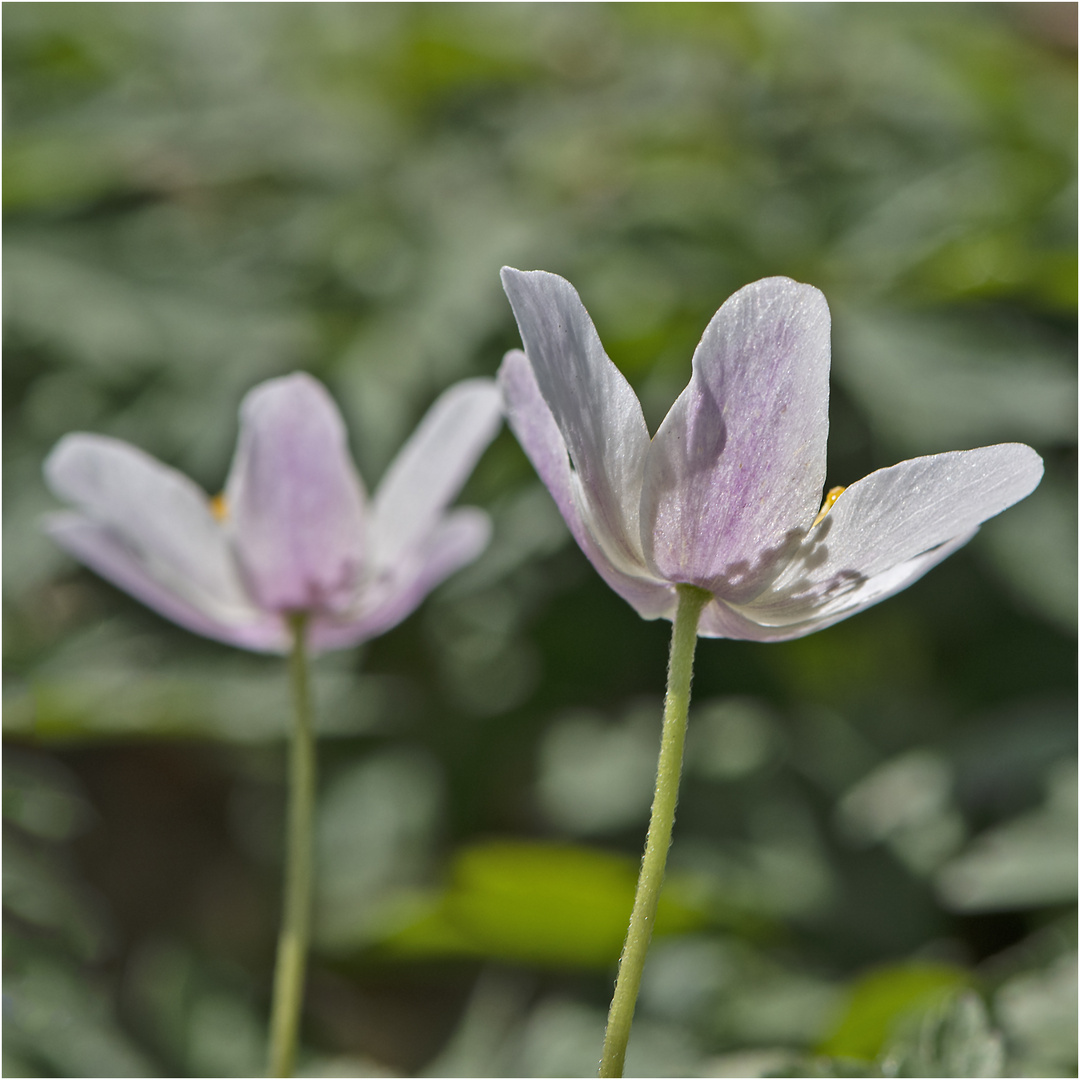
(735, 472)
(295, 501)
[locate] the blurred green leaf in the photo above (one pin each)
(377, 825)
(939, 384)
(41, 890)
(504, 1033)
(546, 904)
(1027, 862)
(54, 1016)
(1034, 551)
(43, 798)
(46, 168)
(777, 1007)
(953, 1038)
(1037, 1012)
(243, 702)
(195, 1011)
(225, 1037)
(880, 999)
(730, 738)
(907, 803)
(596, 775)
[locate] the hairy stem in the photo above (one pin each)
(651, 878)
(296, 914)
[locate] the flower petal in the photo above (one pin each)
(594, 407)
(535, 427)
(432, 467)
(891, 526)
(161, 515)
(721, 620)
(294, 498)
(455, 540)
(735, 472)
(105, 552)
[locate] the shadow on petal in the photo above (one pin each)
(741, 581)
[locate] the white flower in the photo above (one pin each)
(726, 495)
(293, 532)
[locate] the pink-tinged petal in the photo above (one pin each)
(160, 514)
(294, 498)
(455, 541)
(595, 409)
(432, 467)
(535, 427)
(735, 472)
(720, 620)
(892, 526)
(116, 560)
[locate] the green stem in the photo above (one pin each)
(651, 878)
(296, 915)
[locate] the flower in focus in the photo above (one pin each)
(293, 531)
(726, 495)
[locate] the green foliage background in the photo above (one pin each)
(875, 818)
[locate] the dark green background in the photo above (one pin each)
(202, 196)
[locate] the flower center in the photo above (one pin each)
(826, 506)
(220, 508)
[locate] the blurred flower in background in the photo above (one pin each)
(202, 197)
(291, 531)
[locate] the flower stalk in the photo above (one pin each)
(692, 601)
(293, 557)
(291, 964)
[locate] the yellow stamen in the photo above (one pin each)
(220, 508)
(826, 506)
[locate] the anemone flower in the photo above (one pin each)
(726, 495)
(293, 531)
(718, 522)
(290, 558)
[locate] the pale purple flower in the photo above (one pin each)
(726, 495)
(293, 531)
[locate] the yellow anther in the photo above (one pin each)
(826, 506)
(219, 507)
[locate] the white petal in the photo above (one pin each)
(295, 501)
(456, 540)
(533, 424)
(432, 467)
(105, 552)
(721, 620)
(158, 512)
(735, 472)
(594, 407)
(890, 519)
